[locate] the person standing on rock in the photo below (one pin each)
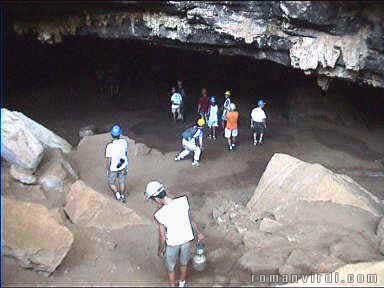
(176, 230)
(231, 131)
(258, 123)
(116, 154)
(189, 138)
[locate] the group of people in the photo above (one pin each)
(177, 229)
(208, 115)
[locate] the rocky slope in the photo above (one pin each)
(330, 38)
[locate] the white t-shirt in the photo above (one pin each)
(176, 100)
(175, 217)
(117, 150)
(213, 113)
(258, 115)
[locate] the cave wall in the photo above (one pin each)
(330, 38)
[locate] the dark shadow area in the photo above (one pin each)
(58, 85)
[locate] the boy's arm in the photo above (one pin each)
(162, 246)
(195, 230)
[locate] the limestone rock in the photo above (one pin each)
(308, 261)
(373, 276)
(22, 175)
(59, 215)
(53, 177)
(19, 145)
(355, 248)
(287, 179)
(86, 207)
(269, 225)
(381, 248)
(259, 239)
(44, 135)
(380, 229)
(329, 38)
(86, 131)
(265, 260)
(33, 236)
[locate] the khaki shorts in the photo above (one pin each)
(182, 251)
(121, 176)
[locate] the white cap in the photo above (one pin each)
(233, 106)
(154, 188)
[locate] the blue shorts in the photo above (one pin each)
(182, 251)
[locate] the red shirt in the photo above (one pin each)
(204, 104)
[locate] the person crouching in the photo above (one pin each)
(192, 141)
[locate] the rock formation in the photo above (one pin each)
(86, 207)
(33, 236)
(329, 38)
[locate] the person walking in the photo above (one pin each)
(213, 118)
(226, 107)
(203, 105)
(176, 101)
(192, 141)
(258, 123)
(116, 154)
(231, 131)
(177, 230)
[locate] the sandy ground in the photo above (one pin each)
(128, 257)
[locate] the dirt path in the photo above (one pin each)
(128, 257)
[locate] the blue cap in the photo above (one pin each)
(260, 103)
(213, 99)
(116, 131)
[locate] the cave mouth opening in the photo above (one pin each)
(59, 82)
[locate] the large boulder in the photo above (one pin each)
(22, 175)
(44, 135)
(365, 274)
(19, 145)
(288, 179)
(88, 208)
(315, 220)
(33, 236)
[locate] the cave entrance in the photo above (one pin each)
(57, 85)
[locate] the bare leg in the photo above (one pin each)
(172, 279)
(214, 132)
(183, 273)
(229, 143)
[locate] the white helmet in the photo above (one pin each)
(232, 107)
(154, 188)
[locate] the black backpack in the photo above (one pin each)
(188, 133)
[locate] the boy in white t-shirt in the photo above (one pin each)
(176, 230)
(176, 100)
(258, 123)
(116, 154)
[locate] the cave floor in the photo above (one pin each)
(357, 152)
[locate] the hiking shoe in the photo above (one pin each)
(182, 284)
(255, 142)
(195, 164)
(177, 158)
(123, 199)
